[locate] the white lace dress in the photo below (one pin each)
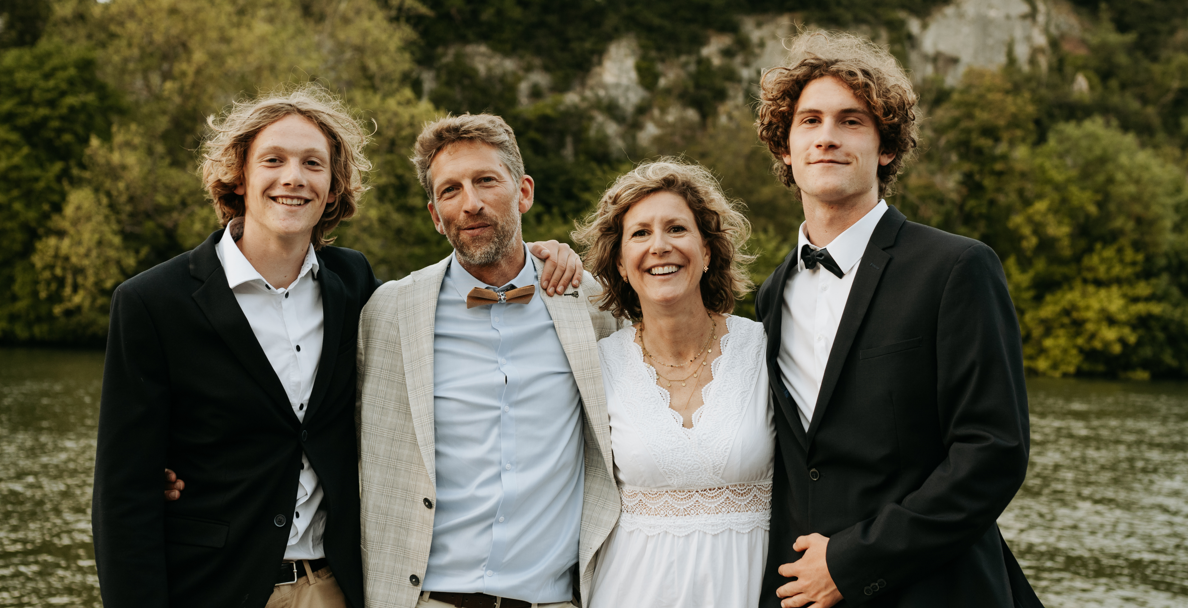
(696, 502)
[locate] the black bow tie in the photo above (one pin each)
(811, 257)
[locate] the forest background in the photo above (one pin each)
(1069, 162)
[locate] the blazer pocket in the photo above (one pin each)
(894, 347)
(197, 532)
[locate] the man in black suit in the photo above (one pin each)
(234, 365)
(895, 361)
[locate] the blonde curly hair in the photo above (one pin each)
(720, 221)
(872, 73)
(225, 149)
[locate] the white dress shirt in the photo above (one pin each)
(812, 309)
(287, 322)
(509, 452)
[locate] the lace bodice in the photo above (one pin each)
(699, 475)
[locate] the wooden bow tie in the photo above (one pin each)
(482, 297)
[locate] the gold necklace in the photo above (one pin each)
(696, 373)
(704, 348)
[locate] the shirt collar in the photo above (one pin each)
(463, 281)
(848, 247)
(239, 270)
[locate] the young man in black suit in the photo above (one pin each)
(895, 361)
(234, 365)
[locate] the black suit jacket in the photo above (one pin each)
(187, 386)
(919, 438)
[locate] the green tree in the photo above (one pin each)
(51, 103)
(133, 197)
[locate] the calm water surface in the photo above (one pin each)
(1101, 521)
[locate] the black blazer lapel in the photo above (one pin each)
(218, 303)
(870, 270)
(773, 326)
(333, 291)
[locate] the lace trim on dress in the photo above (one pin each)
(739, 507)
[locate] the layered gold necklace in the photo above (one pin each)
(703, 354)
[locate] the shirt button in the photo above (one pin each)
(298, 348)
(507, 466)
(415, 580)
(502, 361)
(507, 408)
(500, 520)
(428, 503)
(278, 521)
(489, 573)
(820, 338)
(286, 296)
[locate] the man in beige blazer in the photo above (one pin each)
(485, 447)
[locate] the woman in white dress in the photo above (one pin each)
(686, 388)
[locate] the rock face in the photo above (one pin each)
(977, 33)
(956, 37)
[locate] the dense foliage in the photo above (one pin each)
(1073, 170)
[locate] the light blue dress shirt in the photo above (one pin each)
(509, 448)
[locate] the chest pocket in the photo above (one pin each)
(894, 347)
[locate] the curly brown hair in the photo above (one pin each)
(870, 71)
(719, 220)
(225, 149)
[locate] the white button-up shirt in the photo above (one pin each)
(812, 309)
(508, 438)
(287, 322)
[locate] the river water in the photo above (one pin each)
(1101, 521)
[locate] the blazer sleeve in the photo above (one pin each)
(604, 322)
(128, 506)
(982, 407)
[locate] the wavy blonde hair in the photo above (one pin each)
(225, 149)
(871, 72)
(719, 220)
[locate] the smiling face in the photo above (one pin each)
(477, 203)
(833, 146)
(662, 252)
(286, 180)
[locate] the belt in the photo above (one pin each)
(289, 572)
(477, 600)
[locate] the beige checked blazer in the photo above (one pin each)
(395, 416)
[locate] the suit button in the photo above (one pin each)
(279, 521)
(814, 474)
(868, 591)
(428, 503)
(882, 583)
(415, 580)
(304, 435)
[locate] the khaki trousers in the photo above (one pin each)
(427, 601)
(314, 590)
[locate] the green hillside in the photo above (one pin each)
(1070, 163)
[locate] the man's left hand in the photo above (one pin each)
(813, 584)
(562, 266)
